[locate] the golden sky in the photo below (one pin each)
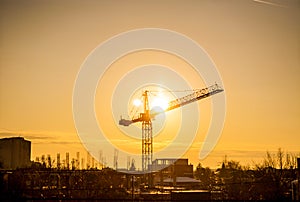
(255, 46)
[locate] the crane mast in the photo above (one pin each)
(147, 146)
(145, 118)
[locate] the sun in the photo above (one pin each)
(160, 102)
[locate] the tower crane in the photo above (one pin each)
(146, 116)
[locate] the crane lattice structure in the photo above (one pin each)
(146, 116)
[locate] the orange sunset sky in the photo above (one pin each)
(255, 46)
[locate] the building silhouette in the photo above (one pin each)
(173, 172)
(14, 153)
(173, 167)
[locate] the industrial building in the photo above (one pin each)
(173, 172)
(173, 167)
(14, 153)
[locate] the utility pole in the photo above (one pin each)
(298, 182)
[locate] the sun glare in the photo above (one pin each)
(160, 102)
(137, 102)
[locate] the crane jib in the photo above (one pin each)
(197, 95)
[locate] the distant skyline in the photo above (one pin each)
(40, 147)
(255, 46)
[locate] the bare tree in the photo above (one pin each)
(270, 160)
(280, 156)
(288, 162)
